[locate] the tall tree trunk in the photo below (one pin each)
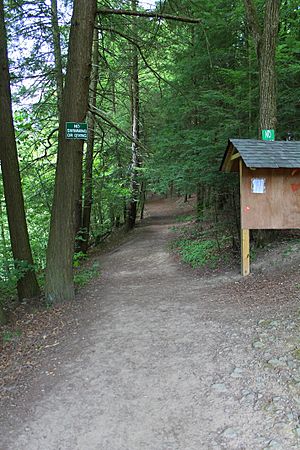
(78, 208)
(5, 262)
(57, 54)
(143, 199)
(265, 41)
(59, 271)
(267, 78)
(6, 251)
(249, 42)
(199, 202)
(88, 179)
(27, 285)
(135, 120)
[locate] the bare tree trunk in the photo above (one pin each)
(5, 246)
(59, 271)
(135, 117)
(5, 262)
(199, 202)
(78, 207)
(249, 85)
(265, 41)
(268, 82)
(59, 88)
(88, 179)
(27, 285)
(57, 54)
(143, 199)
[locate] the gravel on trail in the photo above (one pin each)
(152, 356)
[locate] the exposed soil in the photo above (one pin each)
(154, 356)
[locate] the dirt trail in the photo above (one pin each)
(166, 360)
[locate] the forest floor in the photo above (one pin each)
(154, 356)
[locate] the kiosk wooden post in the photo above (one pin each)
(245, 234)
(245, 252)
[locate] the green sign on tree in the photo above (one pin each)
(268, 135)
(76, 130)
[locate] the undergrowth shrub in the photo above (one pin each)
(201, 252)
(85, 274)
(205, 243)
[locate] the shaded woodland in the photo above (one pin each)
(162, 89)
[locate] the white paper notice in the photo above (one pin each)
(258, 185)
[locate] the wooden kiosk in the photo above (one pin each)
(269, 186)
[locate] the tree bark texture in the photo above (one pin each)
(135, 129)
(59, 271)
(265, 40)
(27, 285)
(143, 199)
(88, 179)
(268, 79)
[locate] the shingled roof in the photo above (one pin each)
(263, 154)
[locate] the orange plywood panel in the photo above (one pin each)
(270, 198)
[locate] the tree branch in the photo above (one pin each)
(133, 42)
(154, 15)
(103, 116)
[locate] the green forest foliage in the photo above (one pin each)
(198, 87)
